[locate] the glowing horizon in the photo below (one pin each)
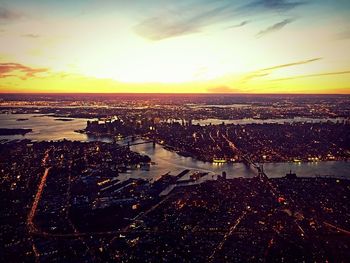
(187, 46)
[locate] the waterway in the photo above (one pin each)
(49, 128)
(45, 128)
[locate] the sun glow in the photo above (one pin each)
(130, 48)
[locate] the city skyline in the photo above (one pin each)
(259, 46)
(176, 178)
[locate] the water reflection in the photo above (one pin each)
(44, 127)
(171, 161)
(48, 128)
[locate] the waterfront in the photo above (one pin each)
(171, 161)
(49, 128)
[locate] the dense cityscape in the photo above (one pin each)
(175, 131)
(180, 106)
(222, 143)
(80, 201)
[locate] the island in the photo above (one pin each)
(63, 119)
(262, 143)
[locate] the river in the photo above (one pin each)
(49, 128)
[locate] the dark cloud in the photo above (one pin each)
(12, 69)
(243, 23)
(189, 19)
(292, 64)
(157, 28)
(315, 75)
(31, 35)
(183, 21)
(277, 5)
(275, 27)
(7, 14)
(267, 71)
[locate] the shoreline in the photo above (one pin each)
(178, 151)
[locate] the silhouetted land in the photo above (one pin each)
(5, 131)
(84, 211)
(76, 202)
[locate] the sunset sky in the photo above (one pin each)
(251, 46)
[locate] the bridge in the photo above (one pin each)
(262, 175)
(129, 140)
(144, 142)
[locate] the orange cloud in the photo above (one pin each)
(12, 69)
(223, 89)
